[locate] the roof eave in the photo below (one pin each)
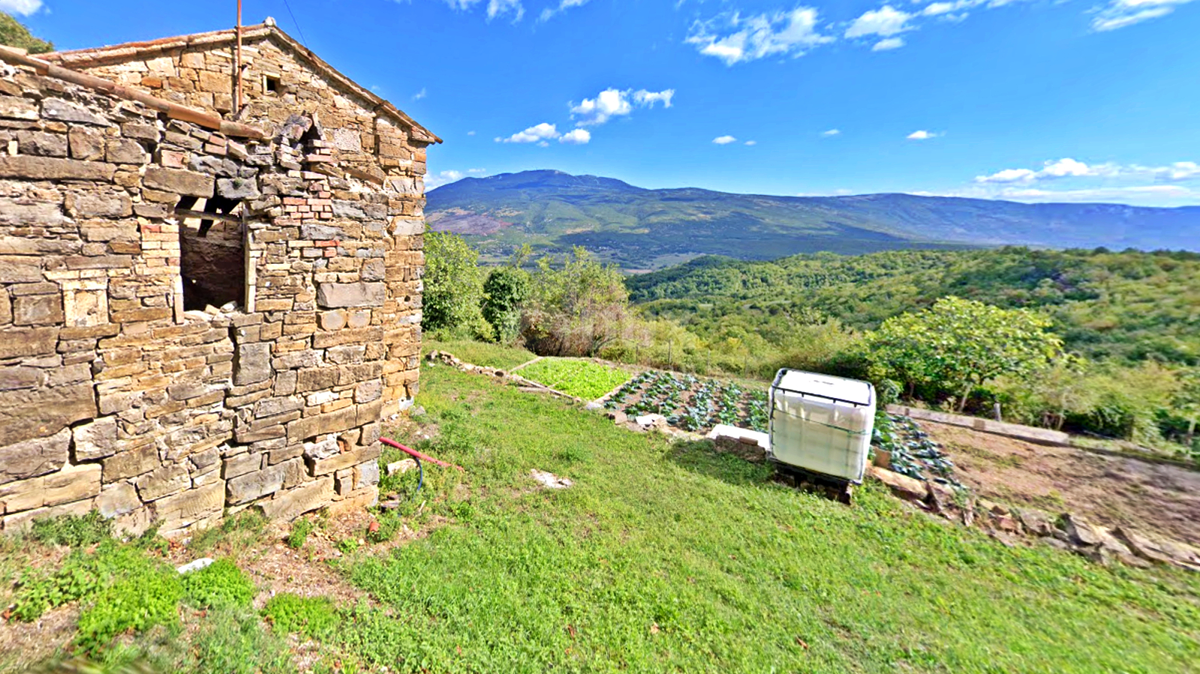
(78, 57)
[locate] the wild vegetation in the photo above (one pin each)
(1091, 341)
(14, 34)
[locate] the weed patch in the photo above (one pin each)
(131, 603)
(75, 531)
(220, 584)
(300, 530)
(311, 617)
(237, 534)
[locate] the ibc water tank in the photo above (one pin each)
(822, 424)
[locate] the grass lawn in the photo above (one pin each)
(481, 353)
(580, 378)
(668, 557)
(674, 558)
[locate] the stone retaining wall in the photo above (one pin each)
(114, 393)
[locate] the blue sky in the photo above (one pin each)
(1042, 100)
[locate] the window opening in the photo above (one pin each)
(270, 84)
(211, 253)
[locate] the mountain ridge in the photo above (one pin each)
(642, 228)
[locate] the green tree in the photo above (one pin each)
(958, 345)
(14, 34)
(453, 286)
(503, 292)
(576, 309)
(1186, 401)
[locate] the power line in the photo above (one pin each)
(298, 28)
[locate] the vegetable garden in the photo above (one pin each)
(691, 403)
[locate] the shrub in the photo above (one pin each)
(577, 309)
(220, 584)
(503, 292)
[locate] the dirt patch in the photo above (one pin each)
(24, 643)
(1111, 491)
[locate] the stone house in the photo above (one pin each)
(210, 284)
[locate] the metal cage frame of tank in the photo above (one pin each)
(775, 387)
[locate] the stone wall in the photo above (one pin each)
(117, 394)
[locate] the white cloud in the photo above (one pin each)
(735, 39)
(1072, 168)
(1133, 193)
(470, 133)
(563, 6)
(1180, 170)
(752, 143)
(832, 132)
(500, 7)
(1122, 13)
(888, 43)
(477, 170)
(649, 98)
(609, 103)
(534, 134)
(724, 140)
(576, 137)
(420, 94)
(922, 135)
(1009, 176)
(444, 178)
(22, 7)
(884, 22)
(617, 103)
(494, 7)
(1142, 195)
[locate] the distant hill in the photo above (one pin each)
(645, 229)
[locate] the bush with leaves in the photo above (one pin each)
(503, 292)
(958, 345)
(576, 309)
(453, 287)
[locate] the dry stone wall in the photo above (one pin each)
(117, 394)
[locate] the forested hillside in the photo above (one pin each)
(1131, 306)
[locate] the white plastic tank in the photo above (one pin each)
(822, 424)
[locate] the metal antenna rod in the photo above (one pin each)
(237, 99)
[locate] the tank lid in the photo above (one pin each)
(837, 389)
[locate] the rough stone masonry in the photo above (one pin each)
(202, 309)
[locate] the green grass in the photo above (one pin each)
(662, 557)
(673, 558)
(482, 353)
(580, 378)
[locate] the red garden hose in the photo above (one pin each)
(412, 452)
